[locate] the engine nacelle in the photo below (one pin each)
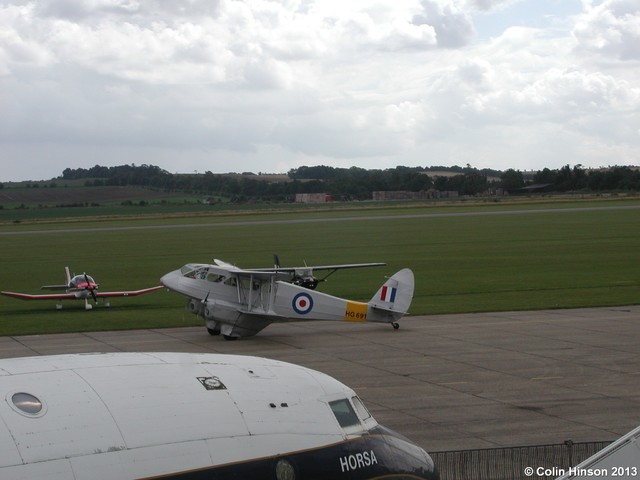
(220, 311)
(194, 306)
(309, 282)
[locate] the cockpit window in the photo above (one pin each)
(199, 273)
(344, 413)
(185, 269)
(81, 279)
(362, 411)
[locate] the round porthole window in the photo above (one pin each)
(27, 403)
(284, 470)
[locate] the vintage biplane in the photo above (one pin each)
(78, 287)
(239, 303)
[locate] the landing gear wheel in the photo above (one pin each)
(396, 325)
(213, 331)
(230, 338)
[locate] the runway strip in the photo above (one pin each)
(322, 220)
(449, 382)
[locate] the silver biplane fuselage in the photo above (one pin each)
(239, 303)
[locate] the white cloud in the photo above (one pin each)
(271, 83)
(610, 29)
(453, 26)
(486, 5)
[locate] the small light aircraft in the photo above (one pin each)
(239, 303)
(188, 416)
(78, 287)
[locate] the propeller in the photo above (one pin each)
(302, 277)
(91, 287)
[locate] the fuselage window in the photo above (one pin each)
(214, 277)
(231, 281)
(27, 403)
(344, 413)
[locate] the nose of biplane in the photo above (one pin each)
(171, 279)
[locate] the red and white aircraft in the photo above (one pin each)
(78, 287)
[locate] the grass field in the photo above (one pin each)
(550, 259)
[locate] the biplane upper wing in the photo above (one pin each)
(318, 267)
(278, 269)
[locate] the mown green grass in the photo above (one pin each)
(462, 264)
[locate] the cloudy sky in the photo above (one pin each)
(269, 85)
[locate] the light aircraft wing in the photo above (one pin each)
(132, 293)
(49, 296)
(74, 296)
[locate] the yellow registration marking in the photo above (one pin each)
(356, 312)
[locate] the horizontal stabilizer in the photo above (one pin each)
(54, 287)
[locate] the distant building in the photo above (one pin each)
(382, 196)
(313, 198)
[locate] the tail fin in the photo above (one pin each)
(67, 281)
(393, 299)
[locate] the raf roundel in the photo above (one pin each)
(302, 303)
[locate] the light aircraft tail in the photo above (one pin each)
(393, 299)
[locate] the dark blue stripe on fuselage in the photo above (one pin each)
(365, 458)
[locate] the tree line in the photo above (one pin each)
(359, 183)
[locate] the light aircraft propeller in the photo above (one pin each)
(91, 287)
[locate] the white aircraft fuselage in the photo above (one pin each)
(190, 416)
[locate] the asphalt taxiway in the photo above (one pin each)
(449, 382)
